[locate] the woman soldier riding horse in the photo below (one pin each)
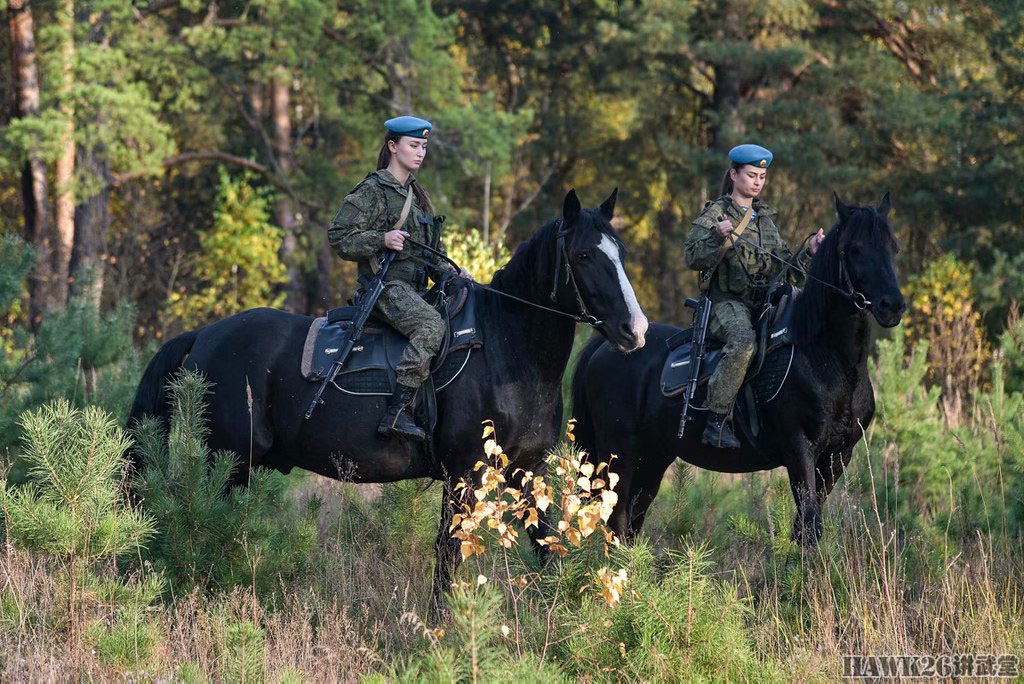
(732, 244)
(381, 212)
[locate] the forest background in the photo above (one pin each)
(167, 163)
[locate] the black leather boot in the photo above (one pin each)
(719, 433)
(398, 420)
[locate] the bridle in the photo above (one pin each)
(848, 290)
(858, 298)
(562, 255)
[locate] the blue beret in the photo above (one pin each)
(411, 126)
(751, 154)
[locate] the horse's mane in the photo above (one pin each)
(537, 255)
(865, 225)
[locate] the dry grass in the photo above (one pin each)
(868, 589)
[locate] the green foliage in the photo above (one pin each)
(238, 266)
(468, 249)
(998, 287)
(127, 642)
(927, 466)
(73, 506)
(678, 622)
(210, 533)
(80, 353)
(471, 648)
(15, 262)
(1011, 347)
(912, 434)
(242, 652)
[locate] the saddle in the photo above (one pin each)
(769, 368)
(370, 368)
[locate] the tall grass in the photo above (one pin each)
(921, 554)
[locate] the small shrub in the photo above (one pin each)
(73, 507)
(941, 311)
(242, 652)
(127, 641)
(210, 533)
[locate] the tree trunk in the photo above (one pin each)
(92, 222)
(65, 171)
(487, 204)
(35, 183)
(320, 297)
(296, 296)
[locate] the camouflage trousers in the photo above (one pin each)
(408, 313)
(731, 323)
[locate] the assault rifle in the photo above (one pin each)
(701, 314)
(355, 330)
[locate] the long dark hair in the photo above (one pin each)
(727, 179)
(384, 158)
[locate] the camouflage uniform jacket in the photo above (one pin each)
(372, 209)
(738, 272)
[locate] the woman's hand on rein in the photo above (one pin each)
(463, 273)
(724, 227)
(395, 240)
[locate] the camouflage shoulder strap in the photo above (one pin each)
(738, 230)
(704, 278)
(374, 266)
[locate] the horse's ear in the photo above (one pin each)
(885, 206)
(842, 211)
(571, 208)
(608, 206)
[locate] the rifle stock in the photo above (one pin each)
(701, 316)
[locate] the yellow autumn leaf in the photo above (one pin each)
(589, 517)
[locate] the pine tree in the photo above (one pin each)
(81, 353)
(210, 533)
(73, 507)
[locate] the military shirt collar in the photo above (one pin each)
(760, 206)
(387, 178)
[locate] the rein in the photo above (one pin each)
(583, 317)
(856, 298)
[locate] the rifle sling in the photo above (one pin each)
(399, 224)
(704, 281)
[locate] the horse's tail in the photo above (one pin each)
(151, 396)
(584, 430)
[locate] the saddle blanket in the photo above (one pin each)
(370, 367)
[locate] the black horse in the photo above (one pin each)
(515, 380)
(812, 425)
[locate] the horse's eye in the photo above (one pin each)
(583, 255)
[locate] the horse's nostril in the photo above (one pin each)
(895, 304)
(627, 331)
